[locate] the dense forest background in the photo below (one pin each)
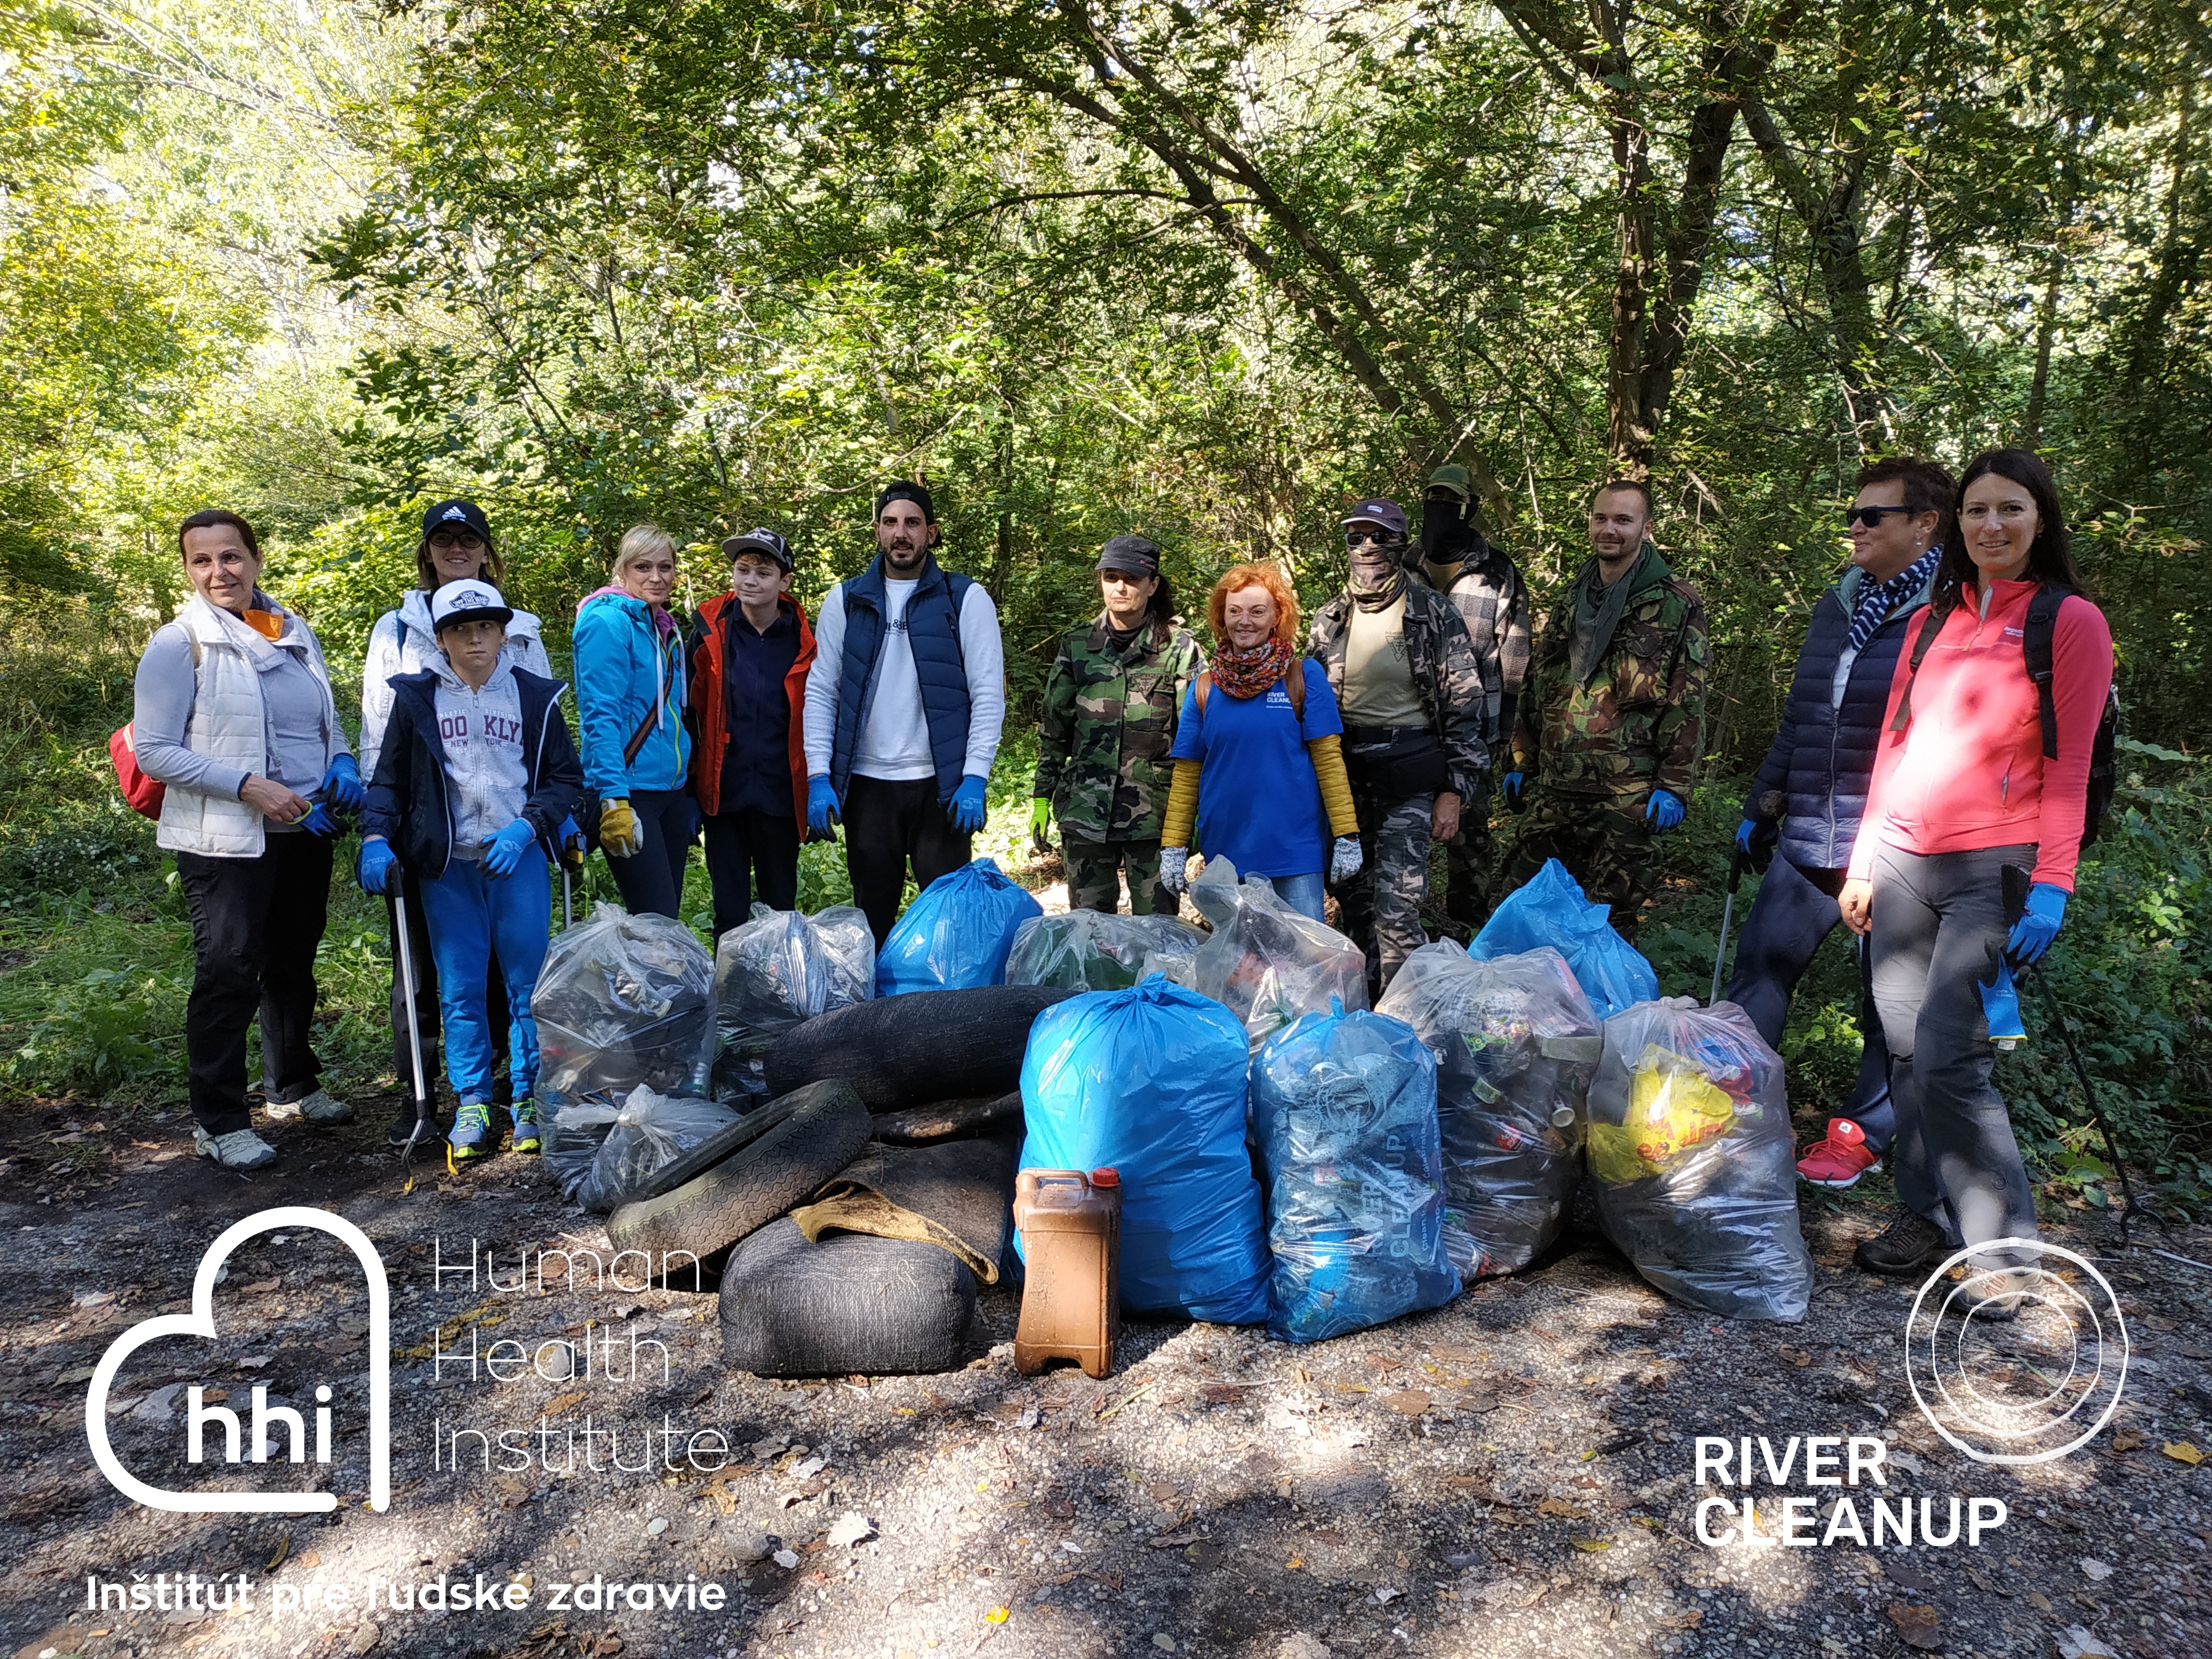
(1207, 273)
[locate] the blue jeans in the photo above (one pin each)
(1302, 893)
(469, 914)
(1787, 921)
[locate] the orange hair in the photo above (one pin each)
(1236, 579)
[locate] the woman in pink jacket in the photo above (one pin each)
(1967, 818)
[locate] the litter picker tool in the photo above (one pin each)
(572, 861)
(1771, 805)
(2034, 970)
(422, 1115)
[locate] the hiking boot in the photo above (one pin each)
(1841, 1159)
(472, 1136)
(526, 1126)
(241, 1149)
(2003, 1293)
(1908, 1244)
(319, 1107)
(408, 1127)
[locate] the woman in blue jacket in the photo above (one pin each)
(629, 656)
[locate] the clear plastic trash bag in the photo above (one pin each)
(623, 1000)
(776, 971)
(1516, 1044)
(1346, 1109)
(1264, 963)
(1693, 1160)
(604, 1156)
(1549, 909)
(1091, 950)
(955, 933)
(1151, 1081)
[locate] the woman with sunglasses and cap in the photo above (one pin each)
(456, 545)
(1105, 732)
(749, 652)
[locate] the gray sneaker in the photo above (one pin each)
(318, 1107)
(241, 1149)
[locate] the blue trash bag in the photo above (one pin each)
(1345, 1108)
(1151, 1081)
(1550, 909)
(955, 935)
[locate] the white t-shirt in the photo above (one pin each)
(894, 740)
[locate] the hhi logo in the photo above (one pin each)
(200, 1323)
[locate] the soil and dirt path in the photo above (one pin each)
(1513, 1474)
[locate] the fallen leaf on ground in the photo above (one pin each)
(998, 1615)
(561, 1402)
(1920, 1627)
(2182, 1452)
(1562, 1509)
(2126, 1440)
(2039, 1600)
(1411, 1402)
(1591, 1545)
(1688, 1618)
(1225, 1394)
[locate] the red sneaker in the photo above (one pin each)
(1840, 1160)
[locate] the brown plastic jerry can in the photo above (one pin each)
(1070, 1228)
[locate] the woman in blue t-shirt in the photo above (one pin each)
(1256, 752)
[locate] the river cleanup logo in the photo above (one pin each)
(2019, 1366)
(201, 1417)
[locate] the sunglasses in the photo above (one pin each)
(1871, 517)
(1374, 538)
(447, 540)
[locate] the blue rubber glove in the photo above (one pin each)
(969, 808)
(374, 868)
(1665, 811)
(318, 822)
(504, 851)
(1744, 832)
(822, 805)
(1511, 787)
(2037, 925)
(341, 784)
(572, 842)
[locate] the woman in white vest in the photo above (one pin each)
(234, 717)
(456, 546)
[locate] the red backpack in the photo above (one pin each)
(144, 794)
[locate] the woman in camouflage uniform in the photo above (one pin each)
(1102, 740)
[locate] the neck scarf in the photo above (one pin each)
(1599, 609)
(270, 624)
(1878, 600)
(1244, 674)
(1382, 598)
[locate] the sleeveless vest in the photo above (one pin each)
(932, 628)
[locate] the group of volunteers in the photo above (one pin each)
(1927, 786)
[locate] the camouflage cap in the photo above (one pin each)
(1454, 478)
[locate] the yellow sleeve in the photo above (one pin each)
(1328, 756)
(1182, 804)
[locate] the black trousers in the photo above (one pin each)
(887, 822)
(651, 881)
(256, 923)
(746, 848)
(426, 1001)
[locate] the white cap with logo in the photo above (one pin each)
(467, 601)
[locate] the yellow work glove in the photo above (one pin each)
(619, 836)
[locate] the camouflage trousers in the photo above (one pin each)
(1382, 905)
(1603, 841)
(1094, 876)
(1469, 858)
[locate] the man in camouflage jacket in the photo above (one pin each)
(1605, 742)
(1104, 734)
(1485, 588)
(1412, 698)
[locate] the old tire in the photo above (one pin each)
(821, 1131)
(914, 1050)
(717, 1148)
(850, 1303)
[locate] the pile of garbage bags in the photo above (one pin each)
(1092, 951)
(1693, 1161)
(1267, 963)
(622, 1002)
(1550, 909)
(1151, 1081)
(1515, 1043)
(605, 1156)
(1345, 1105)
(772, 972)
(957, 932)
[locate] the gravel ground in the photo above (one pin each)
(1512, 1475)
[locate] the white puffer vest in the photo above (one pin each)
(229, 723)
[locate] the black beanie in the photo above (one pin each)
(905, 489)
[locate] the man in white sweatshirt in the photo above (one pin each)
(904, 705)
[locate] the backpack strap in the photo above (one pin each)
(2035, 645)
(1201, 687)
(1930, 627)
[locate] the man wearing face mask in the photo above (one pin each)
(1412, 694)
(1605, 744)
(1485, 588)
(904, 705)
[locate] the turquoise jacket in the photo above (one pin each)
(627, 669)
